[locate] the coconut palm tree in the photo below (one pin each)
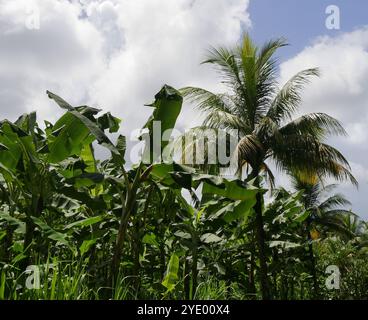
(327, 214)
(262, 113)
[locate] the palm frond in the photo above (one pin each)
(319, 125)
(219, 109)
(335, 201)
(206, 100)
(247, 56)
(341, 173)
(306, 153)
(226, 64)
(339, 213)
(267, 67)
(289, 97)
(336, 226)
(268, 50)
(268, 131)
(269, 175)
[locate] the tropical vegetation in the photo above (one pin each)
(73, 226)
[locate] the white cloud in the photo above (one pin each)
(64, 55)
(115, 54)
(341, 90)
(164, 42)
(361, 172)
(358, 134)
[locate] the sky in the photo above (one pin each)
(116, 54)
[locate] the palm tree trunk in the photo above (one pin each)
(313, 270)
(260, 234)
(312, 261)
(251, 283)
(260, 237)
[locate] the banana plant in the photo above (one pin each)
(167, 106)
(31, 159)
(200, 224)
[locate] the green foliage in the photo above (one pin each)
(167, 107)
(105, 230)
(171, 276)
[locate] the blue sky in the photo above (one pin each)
(301, 21)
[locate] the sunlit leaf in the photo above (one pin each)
(171, 276)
